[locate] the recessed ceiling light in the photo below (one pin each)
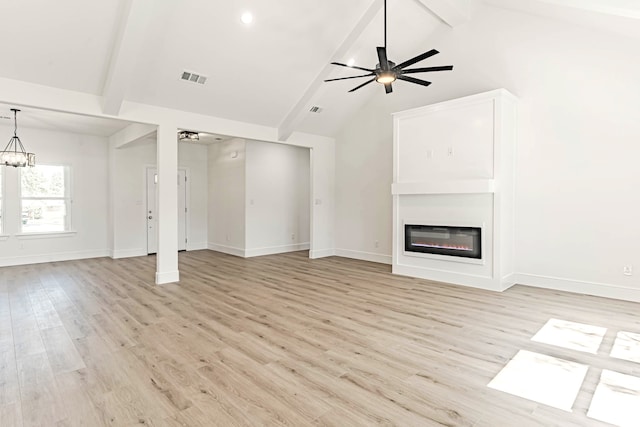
(351, 62)
(246, 18)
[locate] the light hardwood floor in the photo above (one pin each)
(276, 340)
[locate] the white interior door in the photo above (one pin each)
(152, 209)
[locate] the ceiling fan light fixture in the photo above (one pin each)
(386, 77)
(386, 72)
(188, 136)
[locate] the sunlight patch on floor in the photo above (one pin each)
(627, 347)
(571, 335)
(616, 400)
(541, 378)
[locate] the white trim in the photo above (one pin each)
(128, 253)
(230, 250)
(364, 256)
(578, 286)
(471, 280)
(167, 277)
(4, 237)
(46, 234)
(61, 256)
(508, 281)
(321, 253)
(460, 186)
(271, 250)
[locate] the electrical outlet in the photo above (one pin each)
(627, 270)
(429, 154)
(227, 236)
(377, 244)
(450, 152)
(293, 236)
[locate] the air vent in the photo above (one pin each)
(315, 109)
(193, 77)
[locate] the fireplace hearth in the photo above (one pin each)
(464, 242)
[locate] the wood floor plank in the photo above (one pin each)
(277, 340)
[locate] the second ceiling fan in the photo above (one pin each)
(386, 72)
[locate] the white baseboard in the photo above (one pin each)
(321, 253)
(53, 257)
(226, 249)
(508, 281)
(577, 286)
(128, 253)
(167, 277)
(364, 256)
(276, 250)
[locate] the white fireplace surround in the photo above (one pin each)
(453, 165)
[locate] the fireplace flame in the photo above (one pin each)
(442, 246)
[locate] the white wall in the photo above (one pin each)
(87, 158)
(128, 182)
(259, 197)
(578, 129)
(226, 200)
(277, 198)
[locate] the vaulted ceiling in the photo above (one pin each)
(270, 72)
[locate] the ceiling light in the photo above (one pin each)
(188, 136)
(351, 62)
(246, 18)
(11, 155)
(386, 77)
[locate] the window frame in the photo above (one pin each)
(67, 198)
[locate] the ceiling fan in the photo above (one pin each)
(386, 72)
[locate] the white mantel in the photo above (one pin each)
(453, 164)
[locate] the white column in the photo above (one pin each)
(167, 255)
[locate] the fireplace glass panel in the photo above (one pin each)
(443, 240)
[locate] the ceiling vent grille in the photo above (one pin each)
(193, 77)
(315, 109)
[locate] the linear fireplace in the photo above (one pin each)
(462, 242)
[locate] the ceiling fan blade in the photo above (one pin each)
(416, 81)
(363, 84)
(388, 88)
(352, 77)
(427, 69)
(382, 58)
(416, 59)
(353, 66)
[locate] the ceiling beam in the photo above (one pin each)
(297, 113)
(132, 133)
(127, 46)
(451, 12)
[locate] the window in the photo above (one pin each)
(45, 198)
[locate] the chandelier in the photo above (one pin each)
(14, 153)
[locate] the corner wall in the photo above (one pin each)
(277, 198)
(576, 206)
(226, 196)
